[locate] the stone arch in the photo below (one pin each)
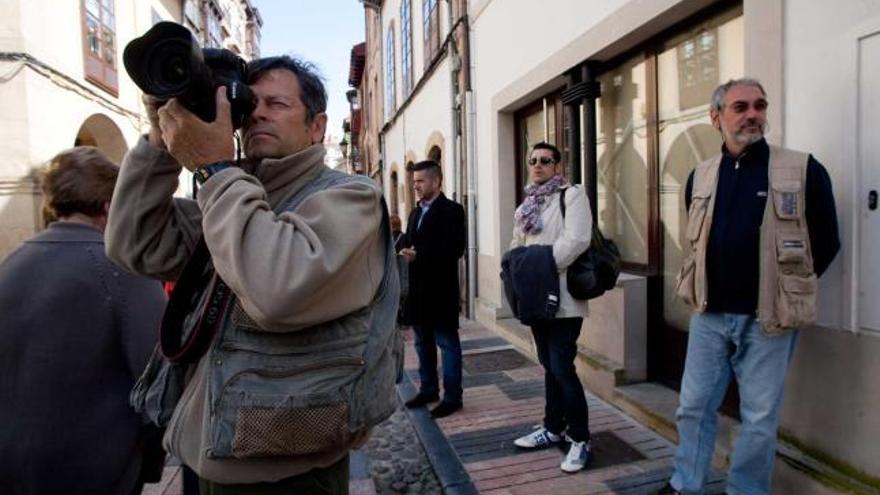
(100, 131)
(434, 147)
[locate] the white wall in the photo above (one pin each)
(834, 371)
(40, 117)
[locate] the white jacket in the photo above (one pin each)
(569, 237)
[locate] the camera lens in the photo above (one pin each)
(169, 68)
(173, 70)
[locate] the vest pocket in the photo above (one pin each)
(791, 248)
(282, 412)
(796, 300)
(786, 199)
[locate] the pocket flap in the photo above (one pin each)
(799, 285)
(788, 186)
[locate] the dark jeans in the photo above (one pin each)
(331, 480)
(566, 405)
(428, 338)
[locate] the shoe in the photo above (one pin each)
(445, 409)
(577, 458)
(421, 400)
(542, 437)
(668, 490)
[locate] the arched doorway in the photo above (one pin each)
(100, 131)
(409, 197)
(435, 155)
(392, 193)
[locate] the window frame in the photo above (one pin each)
(431, 30)
(96, 68)
(406, 62)
(390, 73)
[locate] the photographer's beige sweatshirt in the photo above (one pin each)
(290, 271)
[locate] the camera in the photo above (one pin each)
(167, 62)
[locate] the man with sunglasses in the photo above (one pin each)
(763, 227)
(539, 220)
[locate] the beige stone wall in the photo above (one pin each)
(43, 110)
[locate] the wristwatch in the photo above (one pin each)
(203, 173)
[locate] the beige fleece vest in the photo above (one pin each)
(787, 290)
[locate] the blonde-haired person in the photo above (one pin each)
(539, 220)
(77, 331)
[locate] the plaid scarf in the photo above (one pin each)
(528, 214)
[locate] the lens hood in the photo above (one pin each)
(161, 61)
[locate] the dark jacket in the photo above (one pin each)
(433, 297)
(531, 283)
(76, 332)
(733, 254)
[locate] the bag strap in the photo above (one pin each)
(597, 238)
(562, 201)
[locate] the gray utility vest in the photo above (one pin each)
(787, 290)
(275, 394)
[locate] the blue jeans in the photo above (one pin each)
(428, 338)
(721, 345)
(565, 404)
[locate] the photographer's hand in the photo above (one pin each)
(152, 104)
(193, 142)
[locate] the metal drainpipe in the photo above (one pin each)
(471, 204)
(453, 135)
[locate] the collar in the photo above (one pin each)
(758, 152)
(281, 177)
(427, 204)
(60, 231)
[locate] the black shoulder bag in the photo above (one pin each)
(596, 269)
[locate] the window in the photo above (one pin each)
(99, 44)
(193, 17)
(390, 97)
(689, 67)
(215, 36)
(539, 121)
(622, 151)
(431, 25)
(406, 75)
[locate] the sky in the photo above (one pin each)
(319, 31)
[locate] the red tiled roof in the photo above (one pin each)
(356, 66)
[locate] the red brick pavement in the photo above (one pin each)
(537, 472)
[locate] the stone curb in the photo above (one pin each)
(450, 472)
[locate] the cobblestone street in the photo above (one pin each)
(398, 463)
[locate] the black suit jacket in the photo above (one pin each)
(433, 297)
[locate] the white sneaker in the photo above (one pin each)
(577, 457)
(541, 437)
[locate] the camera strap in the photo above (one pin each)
(180, 344)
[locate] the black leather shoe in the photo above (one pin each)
(421, 400)
(668, 490)
(445, 409)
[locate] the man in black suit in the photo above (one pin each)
(433, 243)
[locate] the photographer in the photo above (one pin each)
(304, 255)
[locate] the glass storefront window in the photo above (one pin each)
(622, 168)
(688, 70)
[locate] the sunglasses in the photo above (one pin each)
(545, 161)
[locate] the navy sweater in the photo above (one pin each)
(733, 255)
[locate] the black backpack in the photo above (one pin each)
(596, 269)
